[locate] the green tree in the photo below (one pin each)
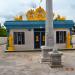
(3, 32)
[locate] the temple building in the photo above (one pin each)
(30, 34)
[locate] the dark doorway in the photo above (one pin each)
(39, 37)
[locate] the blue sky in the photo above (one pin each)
(10, 8)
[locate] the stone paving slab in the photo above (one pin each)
(28, 63)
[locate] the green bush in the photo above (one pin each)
(3, 32)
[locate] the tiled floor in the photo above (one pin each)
(28, 63)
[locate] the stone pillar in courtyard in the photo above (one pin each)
(54, 57)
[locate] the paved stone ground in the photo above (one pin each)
(28, 63)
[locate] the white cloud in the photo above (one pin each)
(10, 8)
(65, 8)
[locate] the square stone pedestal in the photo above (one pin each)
(45, 55)
(55, 59)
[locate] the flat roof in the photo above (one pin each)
(37, 24)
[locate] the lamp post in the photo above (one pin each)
(54, 57)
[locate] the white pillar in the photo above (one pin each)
(54, 57)
(49, 33)
(49, 38)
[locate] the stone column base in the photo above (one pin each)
(45, 59)
(55, 59)
(45, 56)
